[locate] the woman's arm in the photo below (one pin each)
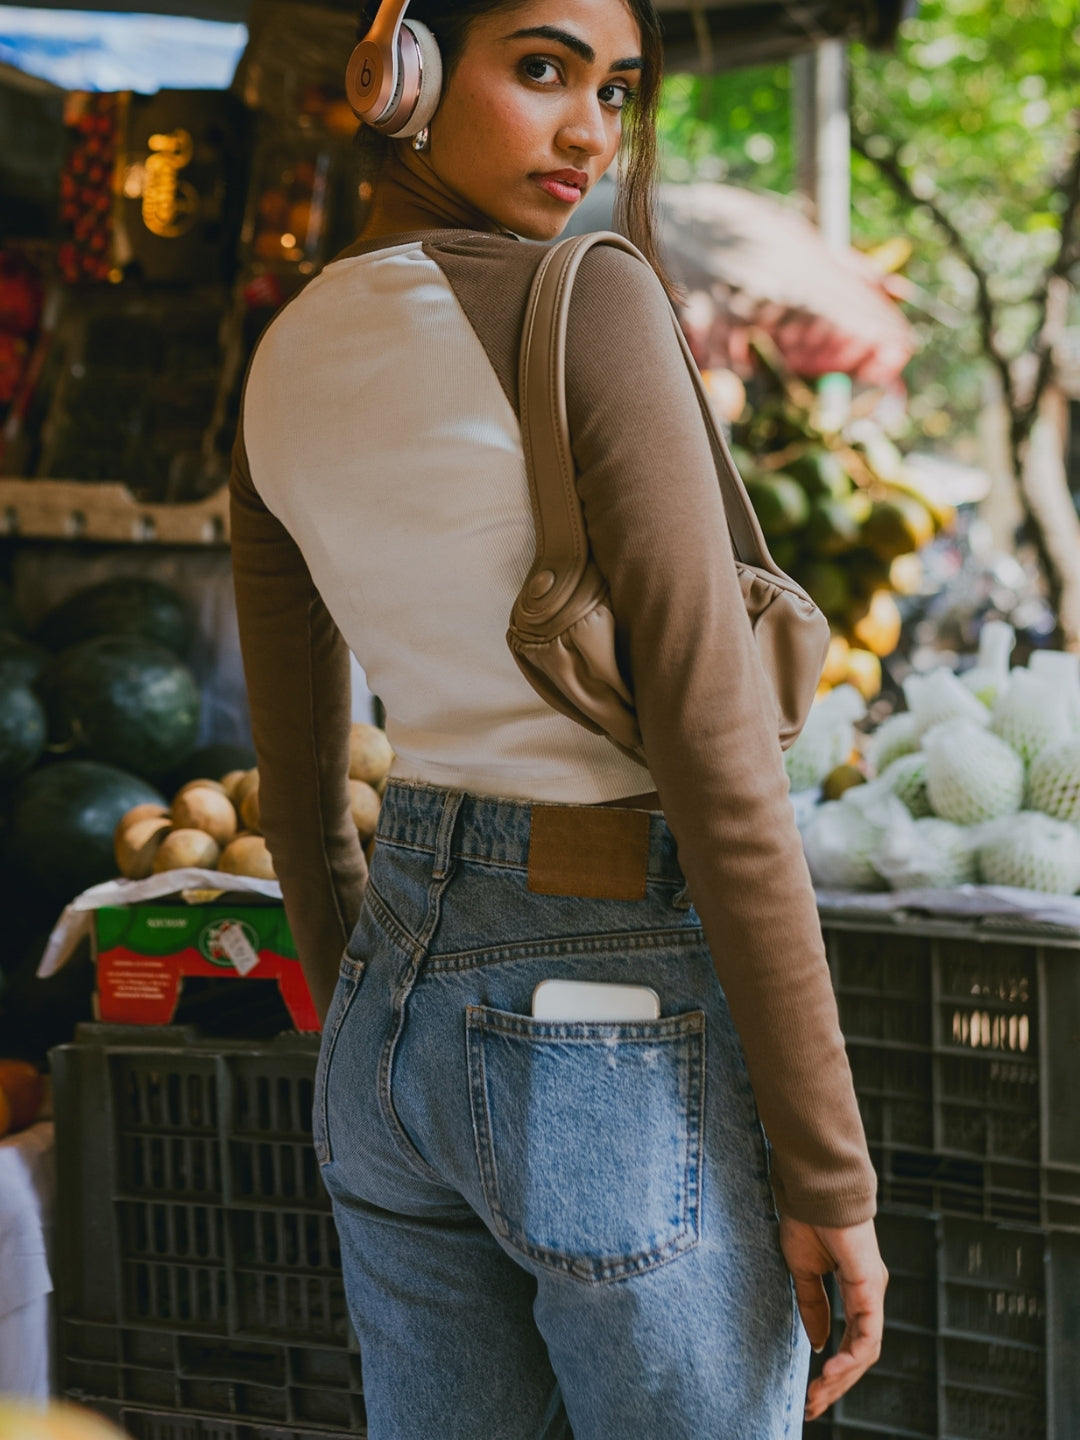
(656, 523)
(297, 669)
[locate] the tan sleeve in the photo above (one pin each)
(296, 665)
(656, 523)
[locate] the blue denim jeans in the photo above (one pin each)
(548, 1229)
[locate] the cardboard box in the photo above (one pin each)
(145, 950)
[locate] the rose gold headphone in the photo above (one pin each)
(394, 75)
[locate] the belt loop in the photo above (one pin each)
(444, 840)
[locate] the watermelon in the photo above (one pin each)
(9, 616)
(122, 700)
(22, 729)
(62, 822)
(126, 605)
(20, 661)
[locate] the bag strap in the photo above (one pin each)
(562, 546)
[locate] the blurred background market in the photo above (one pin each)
(872, 212)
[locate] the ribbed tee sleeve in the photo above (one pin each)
(655, 518)
(297, 670)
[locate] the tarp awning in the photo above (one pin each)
(710, 35)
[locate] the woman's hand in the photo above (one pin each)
(812, 1251)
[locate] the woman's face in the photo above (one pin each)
(530, 117)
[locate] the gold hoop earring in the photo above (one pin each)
(421, 139)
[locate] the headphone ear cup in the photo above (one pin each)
(427, 101)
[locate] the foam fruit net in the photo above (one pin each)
(895, 736)
(1035, 851)
(906, 779)
(1029, 716)
(940, 696)
(971, 775)
(1054, 781)
(936, 856)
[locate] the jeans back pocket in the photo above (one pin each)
(589, 1137)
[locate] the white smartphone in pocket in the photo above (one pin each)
(594, 1000)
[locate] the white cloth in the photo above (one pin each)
(27, 1191)
(372, 409)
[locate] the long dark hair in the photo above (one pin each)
(635, 206)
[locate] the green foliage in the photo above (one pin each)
(975, 106)
(734, 127)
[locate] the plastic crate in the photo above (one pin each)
(965, 1051)
(289, 1385)
(198, 1265)
(982, 1335)
(169, 1425)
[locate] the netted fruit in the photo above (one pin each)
(905, 778)
(971, 775)
(1054, 780)
(989, 678)
(939, 696)
(895, 736)
(932, 854)
(1060, 669)
(1030, 715)
(844, 835)
(827, 739)
(1034, 851)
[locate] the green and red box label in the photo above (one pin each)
(144, 951)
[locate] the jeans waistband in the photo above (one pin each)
(490, 828)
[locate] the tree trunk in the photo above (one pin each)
(1050, 510)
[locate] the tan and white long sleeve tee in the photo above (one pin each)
(380, 503)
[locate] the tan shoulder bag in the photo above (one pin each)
(562, 630)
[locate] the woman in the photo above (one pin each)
(547, 1228)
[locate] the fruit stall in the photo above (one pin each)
(152, 1007)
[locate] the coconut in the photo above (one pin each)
(248, 780)
(364, 804)
(249, 806)
(139, 812)
(201, 783)
(187, 849)
(370, 754)
(205, 806)
(231, 782)
(137, 842)
(247, 855)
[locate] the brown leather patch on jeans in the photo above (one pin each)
(598, 854)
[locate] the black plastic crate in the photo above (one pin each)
(198, 1264)
(982, 1335)
(237, 1382)
(169, 1425)
(190, 1196)
(965, 1051)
